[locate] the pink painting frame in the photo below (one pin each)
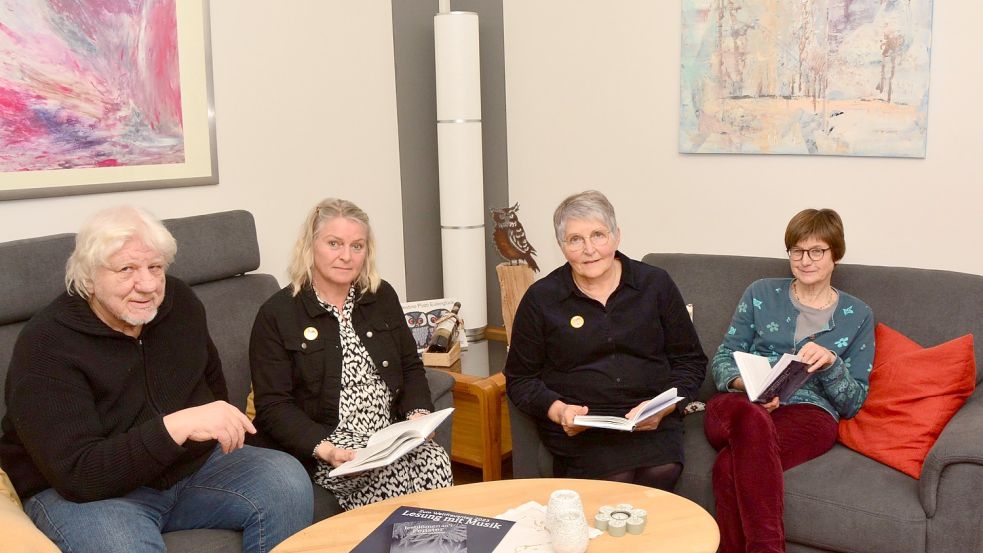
(200, 166)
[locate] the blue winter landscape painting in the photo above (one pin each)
(825, 77)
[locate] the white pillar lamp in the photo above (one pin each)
(462, 211)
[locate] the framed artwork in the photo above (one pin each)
(104, 97)
(421, 317)
(821, 77)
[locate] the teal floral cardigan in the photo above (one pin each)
(764, 324)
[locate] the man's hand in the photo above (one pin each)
(652, 422)
(213, 421)
(334, 456)
(563, 414)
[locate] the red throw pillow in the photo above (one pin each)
(914, 391)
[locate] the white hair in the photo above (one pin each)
(104, 234)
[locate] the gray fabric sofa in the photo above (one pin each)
(841, 501)
(216, 253)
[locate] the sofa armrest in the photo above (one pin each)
(442, 396)
(959, 443)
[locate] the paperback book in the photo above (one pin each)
(392, 442)
(762, 382)
(482, 533)
(651, 407)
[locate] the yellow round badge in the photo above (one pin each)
(310, 333)
(576, 321)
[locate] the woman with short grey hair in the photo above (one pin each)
(603, 334)
(590, 204)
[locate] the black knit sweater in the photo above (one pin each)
(86, 403)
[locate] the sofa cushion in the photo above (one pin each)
(214, 246)
(843, 501)
(36, 268)
(231, 305)
(19, 534)
(696, 481)
(914, 391)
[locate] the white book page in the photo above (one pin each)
(392, 442)
(757, 373)
(656, 404)
(651, 407)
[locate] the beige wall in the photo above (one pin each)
(592, 92)
(305, 108)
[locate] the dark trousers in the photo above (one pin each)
(754, 449)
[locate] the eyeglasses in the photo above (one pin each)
(815, 254)
(577, 242)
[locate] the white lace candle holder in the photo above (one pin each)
(569, 533)
(563, 501)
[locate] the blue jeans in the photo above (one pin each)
(265, 493)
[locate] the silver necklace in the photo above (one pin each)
(829, 296)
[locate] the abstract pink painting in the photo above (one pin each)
(89, 83)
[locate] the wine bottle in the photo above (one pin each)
(440, 342)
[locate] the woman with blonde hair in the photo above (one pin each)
(333, 362)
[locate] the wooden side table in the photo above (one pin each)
(481, 435)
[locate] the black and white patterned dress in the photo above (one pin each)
(364, 409)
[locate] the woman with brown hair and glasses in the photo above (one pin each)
(601, 335)
(827, 328)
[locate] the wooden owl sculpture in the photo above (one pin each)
(509, 237)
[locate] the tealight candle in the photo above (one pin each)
(601, 521)
(616, 527)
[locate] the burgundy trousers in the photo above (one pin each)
(754, 448)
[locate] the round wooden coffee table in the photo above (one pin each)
(675, 524)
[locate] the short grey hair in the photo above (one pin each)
(589, 204)
(104, 234)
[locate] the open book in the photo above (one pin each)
(651, 407)
(392, 442)
(763, 382)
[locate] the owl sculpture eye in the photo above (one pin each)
(417, 321)
(434, 316)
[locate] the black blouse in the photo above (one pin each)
(567, 346)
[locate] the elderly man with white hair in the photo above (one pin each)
(118, 427)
